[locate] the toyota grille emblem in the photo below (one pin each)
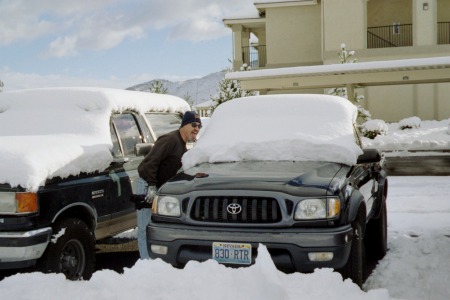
(234, 208)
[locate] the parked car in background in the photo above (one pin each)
(286, 171)
(68, 166)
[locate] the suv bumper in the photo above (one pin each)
(288, 247)
(22, 249)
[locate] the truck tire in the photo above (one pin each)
(376, 235)
(355, 268)
(71, 251)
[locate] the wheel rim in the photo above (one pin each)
(73, 260)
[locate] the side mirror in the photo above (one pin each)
(142, 149)
(369, 156)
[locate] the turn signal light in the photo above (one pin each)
(334, 207)
(26, 202)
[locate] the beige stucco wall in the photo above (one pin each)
(388, 12)
(443, 10)
(293, 36)
(424, 23)
(442, 101)
(344, 21)
(393, 103)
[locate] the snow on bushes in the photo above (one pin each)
(372, 128)
(409, 123)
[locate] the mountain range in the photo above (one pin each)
(199, 90)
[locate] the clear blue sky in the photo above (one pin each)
(113, 43)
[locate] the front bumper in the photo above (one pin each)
(22, 249)
(288, 247)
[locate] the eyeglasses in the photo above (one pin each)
(195, 125)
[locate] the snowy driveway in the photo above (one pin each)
(417, 265)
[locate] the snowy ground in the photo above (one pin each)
(424, 136)
(416, 267)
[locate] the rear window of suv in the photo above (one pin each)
(163, 123)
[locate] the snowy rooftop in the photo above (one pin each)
(46, 133)
(279, 127)
(360, 67)
(260, 5)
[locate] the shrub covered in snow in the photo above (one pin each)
(372, 128)
(346, 57)
(409, 123)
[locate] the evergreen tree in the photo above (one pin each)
(157, 87)
(1, 86)
(228, 90)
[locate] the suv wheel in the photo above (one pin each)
(356, 265)
(71, 251)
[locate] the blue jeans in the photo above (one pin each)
(143, 218)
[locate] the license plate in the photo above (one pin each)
(232, 253)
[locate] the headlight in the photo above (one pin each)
(166, 206)
(309, 209)
(18, 203)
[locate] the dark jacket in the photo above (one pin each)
(164, 160)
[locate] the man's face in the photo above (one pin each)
(191, 130)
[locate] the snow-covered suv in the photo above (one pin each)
(286, 171)
(68, 166)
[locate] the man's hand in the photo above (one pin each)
(151, 193)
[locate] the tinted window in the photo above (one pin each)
(128, 132)
(163, 123)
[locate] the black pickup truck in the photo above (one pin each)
(286, 171)
(68, 167)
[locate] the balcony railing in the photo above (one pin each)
(400, 35)
(397, 35)
(443, 33)
(254, 56)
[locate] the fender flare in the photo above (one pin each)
(91, 213)
(382, 192)
(355, 201)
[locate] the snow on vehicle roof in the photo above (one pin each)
(301, 127)
(52, 132)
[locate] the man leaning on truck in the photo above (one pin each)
(161, 164)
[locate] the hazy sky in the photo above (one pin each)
(113, 43)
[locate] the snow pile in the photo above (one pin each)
(279, 127)
(46, 133)
(154, 279)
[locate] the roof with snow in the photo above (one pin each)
(52, 132)
(374, 73)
